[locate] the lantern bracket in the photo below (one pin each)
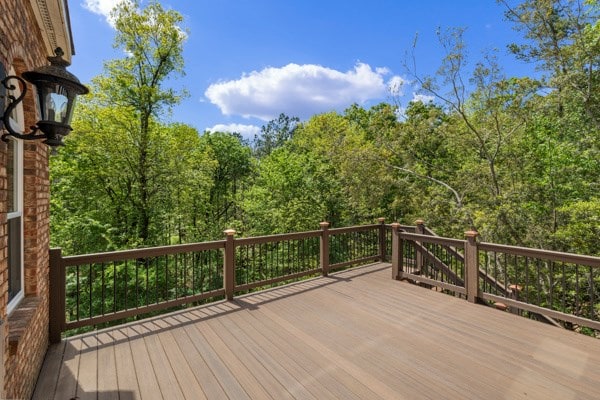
(13, 102)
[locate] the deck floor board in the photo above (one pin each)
(127, 384)
(356, 334)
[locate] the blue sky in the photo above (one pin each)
(246, 61)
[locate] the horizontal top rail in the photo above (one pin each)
(543, 254)
(362, 228)
(433, 239)
(405, 228)
(276, 238)
(140, 253)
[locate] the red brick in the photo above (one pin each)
(26, 333)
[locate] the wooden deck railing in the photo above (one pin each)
(531, 282)
(94, 289)
(97, 288)
(558, 285)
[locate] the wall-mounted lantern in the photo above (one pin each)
(56, 90)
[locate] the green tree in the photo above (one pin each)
(232, 169)
(323, 137)
(122, 169)
(287, 195)
(153, 40)
(563, 40)
(95, 184)
(561, 141)
(423, 164)
(357, 188)
(580, 229)
(274, 135)
(489, 114)
(186, 184)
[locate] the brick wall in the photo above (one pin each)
(3, 254)
(26, 329)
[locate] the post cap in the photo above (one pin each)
(324, 224)
(515, 288)
(471, 234)
(229, 232)
(395, 225)
(381, 220)
(419, 222)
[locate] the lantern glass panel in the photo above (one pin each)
(55, 103)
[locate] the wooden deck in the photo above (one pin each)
(356, 334)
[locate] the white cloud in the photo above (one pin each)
(102, 7)
(105, 7)
(247, 131)
(298, 90)
(423, 98)
(396, 86)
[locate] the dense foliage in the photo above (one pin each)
(517, 158)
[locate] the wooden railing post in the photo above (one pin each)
(397, 250)
(420, 229)
(324, 248)
(57, 296)
(420, 225)
(229, 264)
(382, 244)
(471, 266)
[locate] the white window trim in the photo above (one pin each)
(19, 181)
(17, 120)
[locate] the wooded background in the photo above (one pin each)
(515, 157)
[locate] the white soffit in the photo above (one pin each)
(52, 18)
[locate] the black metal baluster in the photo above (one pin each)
(166, 287)
(77, 304)
(156, 280)
(526, 288)
(90, 291)
(176, 276)
(577, 305)
(137, 284)
(287, 259)
(147, 268)
(103, 292)
(210, 270)
(185, 273)
(564, 289)
(506, 272)
(551, 285)
(114, 286)
(539, 289)
(126, 284)
(249, 271)
(487, 286)
(592, 295)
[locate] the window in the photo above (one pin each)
(14, 172)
